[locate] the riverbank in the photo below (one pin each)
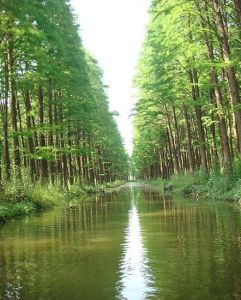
(216, 186)
(19, 198)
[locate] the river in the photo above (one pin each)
(132, 244)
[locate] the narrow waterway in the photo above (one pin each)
(132, 244)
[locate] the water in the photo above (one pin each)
(133, 244)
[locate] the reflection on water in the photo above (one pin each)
(193, 247)
(135, 281)
(65, 253)
(135, 244)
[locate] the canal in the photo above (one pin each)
(132, 244)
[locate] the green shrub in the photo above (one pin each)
(188, 183)
(16, 190)
(159, 182)
(235, 192)
(111, 184)
(89, 189)
(46, 196)
(75, 191)
(236, 168)
(9, 211)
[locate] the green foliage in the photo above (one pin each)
(89, 189)
(23, 191)
(235, 192)
(184, 112)
(9, 211)
(236, 169)
(217, 187)
(61, 128)
(18, 198)
(159, 183)
(75, 191)
(189, 183)
(21, 197)
(17, 190)
(48, 196)
(113, 184)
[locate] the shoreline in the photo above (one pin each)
(15, 209)
(195, 186)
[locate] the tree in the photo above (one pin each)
(54, 110)
(188, 82)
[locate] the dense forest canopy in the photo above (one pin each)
(54, 114)
(188, 113)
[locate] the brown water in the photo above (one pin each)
(132, 244)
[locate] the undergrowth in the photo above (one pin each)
(22, 196)
(218, 185)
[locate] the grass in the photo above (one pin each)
(8, 211)
(22, 197)
(217, 186)
(18, 199)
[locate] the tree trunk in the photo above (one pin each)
(42, 144)
(215, 93)
(237, 5)
(30, 138)
(71, 173)
(198, 111)
(219, 102)
(231, 75)
(50, 133)
(189, 140)
(177, 142)
(173, 146)
(13, 104)
(22, 137)
(6, 156)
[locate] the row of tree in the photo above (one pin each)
(54, 114)
(188, 114)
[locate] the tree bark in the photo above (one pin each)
(28, 109)
(6, 156)
(189, 140)
(42, 144)
(13, 104)
(198, 111)
(237, 4)
(50, 133)
(231, 75)
(219, 102)
(173, 146)
(177, 142)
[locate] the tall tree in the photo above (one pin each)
(188, 82)
(55, 116)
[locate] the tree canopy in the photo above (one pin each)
(55, 117)
(188, 113)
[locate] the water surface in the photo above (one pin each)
(132, 244)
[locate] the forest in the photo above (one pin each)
(56, 127)
(80, 217)
(188, 113)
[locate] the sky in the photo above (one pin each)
(113, 31)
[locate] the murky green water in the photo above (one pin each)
(134, 244)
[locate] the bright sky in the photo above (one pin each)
(113, 31)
